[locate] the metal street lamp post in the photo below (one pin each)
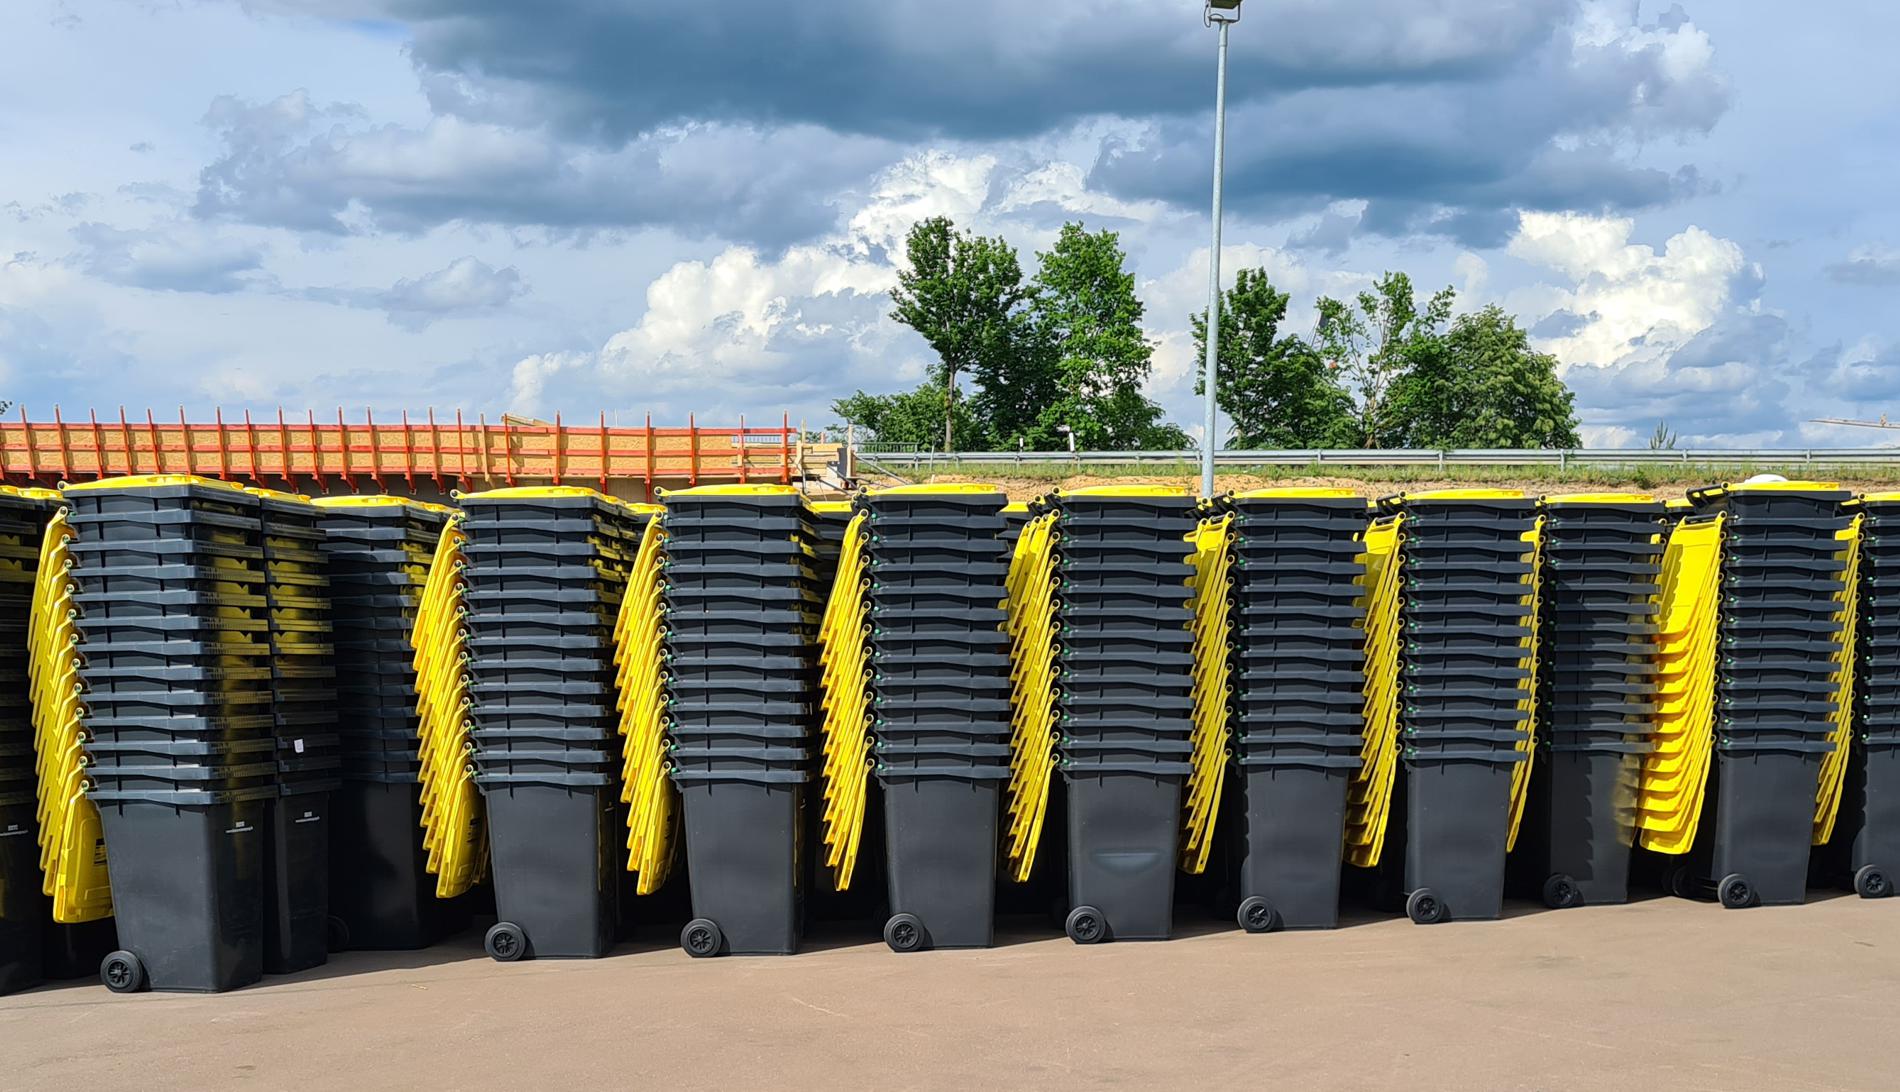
(1222, 14)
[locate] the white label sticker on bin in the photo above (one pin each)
(298, 746)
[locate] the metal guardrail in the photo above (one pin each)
(1582, 457)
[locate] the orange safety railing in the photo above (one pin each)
(430, 456)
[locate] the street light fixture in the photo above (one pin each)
(1222, 14)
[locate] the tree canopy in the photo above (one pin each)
(960, 291)
(1087, 319)
(1276, 389)
(1063, 355)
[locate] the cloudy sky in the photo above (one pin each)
(676, 207)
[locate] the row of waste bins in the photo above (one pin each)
(258, 728)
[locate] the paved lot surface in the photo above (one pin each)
(1672, 994)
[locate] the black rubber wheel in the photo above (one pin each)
(904, 933)
(1677, 882)
(505, 942)
(1257, 915)
(1871, 882)
(122, 972)
(701, 938)
(1085, 925)
(1735, 891)
(337, 934)
(1561, 892)
(1424, 907)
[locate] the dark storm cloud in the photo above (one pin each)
(1451, 158)
(295, 164)
(745, 119)
(976, 69)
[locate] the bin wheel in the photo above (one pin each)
(1424, 907)
(904, 933)
(1085, 925)
(1561, 892)
(1257, 915)
(337, 936)
(505, 942)
(1872, 883)
(1735, 891)
(702, 938)
(1677, 882)
(122, 972)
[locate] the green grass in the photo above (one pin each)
(1640, 477)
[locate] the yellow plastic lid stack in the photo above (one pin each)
(454, 834)
(845, 742)
(640, 678)
(1834, 764)
(1369, 797)
(1527, 742)
(1213, 634)
(1032, 583)
(1675, 772)
(71, 840)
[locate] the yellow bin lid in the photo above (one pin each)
(747, 490)
(1601, 498)
(153, 481)
(945, 489)
(536, 492)
(276, 495)
(1782, 487)
(1125, 491)
(1464, 495)
(1295, 492)
(379, 500)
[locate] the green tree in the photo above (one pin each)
(1015, 386)
(1480, 385)
(1087, 318)
(1376, 340)
(1275, 389)
(912, 417)
(1507, 394)
(963, 293)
